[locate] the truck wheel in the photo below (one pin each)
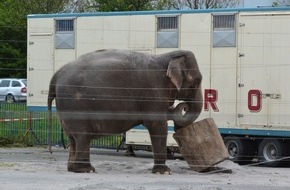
(270, 152)
(10, 98)
(238, 150)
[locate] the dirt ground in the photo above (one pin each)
(36, 168)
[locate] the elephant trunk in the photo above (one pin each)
(187, 112)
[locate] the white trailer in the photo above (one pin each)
(242, 53)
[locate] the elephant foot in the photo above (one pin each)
(70, 167)
(80, 168)
(161, 169)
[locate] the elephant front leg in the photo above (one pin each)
(158, 135)
(81, 162)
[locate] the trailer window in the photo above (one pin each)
(167, 32)
(224, 30)
(64, 34)
(64, 25)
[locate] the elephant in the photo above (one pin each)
(109, 91)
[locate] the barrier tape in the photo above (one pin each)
(20, 119)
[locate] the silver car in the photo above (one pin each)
(13, 90)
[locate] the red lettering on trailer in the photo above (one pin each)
(210, 99)
(255, 100)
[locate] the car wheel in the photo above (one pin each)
(10, 98)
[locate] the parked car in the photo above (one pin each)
(13, 90)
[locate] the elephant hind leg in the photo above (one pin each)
(80, 162)
(72, 153)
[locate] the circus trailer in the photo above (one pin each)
(242, 54)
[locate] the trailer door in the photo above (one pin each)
(264, 41)
(279, 93)
(40, 67)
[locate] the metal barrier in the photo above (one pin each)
(31, 127)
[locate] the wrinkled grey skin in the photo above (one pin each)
(110, 91)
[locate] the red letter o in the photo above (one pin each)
(255, 100)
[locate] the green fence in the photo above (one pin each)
(31, 127)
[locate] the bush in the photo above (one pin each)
(5, 141)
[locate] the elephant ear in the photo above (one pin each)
(174, 71)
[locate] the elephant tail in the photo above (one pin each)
(51, 97)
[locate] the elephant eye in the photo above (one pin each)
(197, 81)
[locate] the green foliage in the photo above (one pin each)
(12, 42)
(13, 32)
(12, 61)
(5, 141)
(40, 7)
(121, 5)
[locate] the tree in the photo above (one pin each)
(196, 4)
(41, 7)
(107, 5)
(120, 5)
(281, 3)
(13, 32)
(78, 6)
(12, 43)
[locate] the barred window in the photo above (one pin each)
(167, 23)
(64, 25)
(224, 22)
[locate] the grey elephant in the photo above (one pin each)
(110, 91)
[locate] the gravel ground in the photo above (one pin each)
(36, 168)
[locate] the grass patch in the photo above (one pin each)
(25, 129)
(14, 142)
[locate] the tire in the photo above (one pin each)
(271, 151)
(239, 150)
(10, 98)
